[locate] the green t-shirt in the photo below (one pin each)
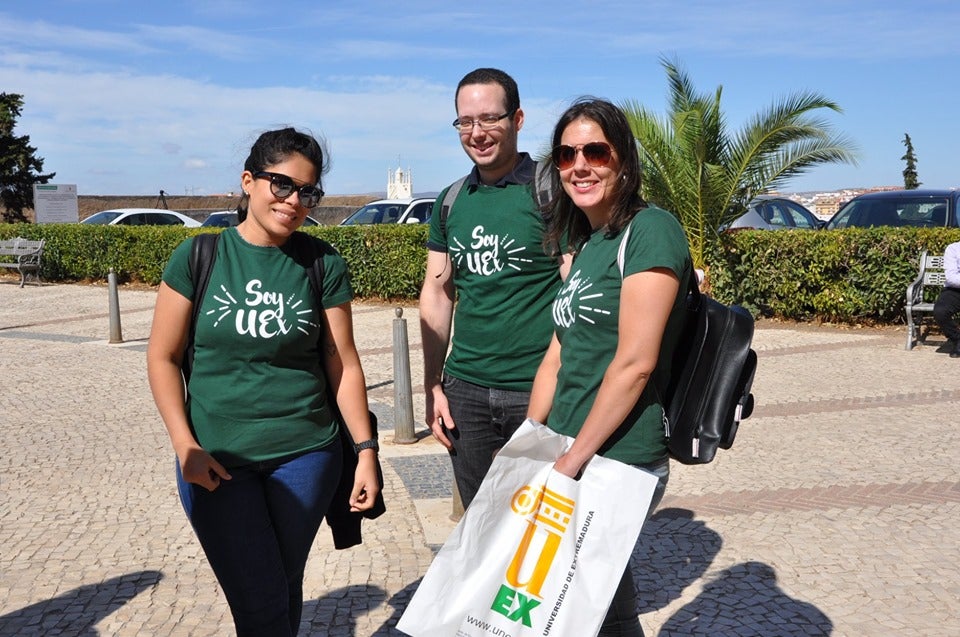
(257, 389)
(586, 314)
(504, 278)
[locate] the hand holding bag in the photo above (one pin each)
(536, 553)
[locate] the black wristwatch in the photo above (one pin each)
(367, 444)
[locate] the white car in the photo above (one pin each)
(415, 210)
(141, 217)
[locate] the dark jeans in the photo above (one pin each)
(945, 311)
(621, 619)
(256, 531)
(485, 420)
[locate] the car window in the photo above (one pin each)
(938, 215)
(924, 213)
(135, 219)
(775, 214)
(366, 214)
(421, 211)
(391, 214)
(166, 220)
(102, 218)
(221, 220)
(799, 216)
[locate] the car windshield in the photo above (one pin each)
(221, 220)
(103, 218)
(923, 212)
(375, 213)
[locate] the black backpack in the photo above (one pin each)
(708, 392)
(709, 389)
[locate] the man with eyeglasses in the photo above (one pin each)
(486, 253)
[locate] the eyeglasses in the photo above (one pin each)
(486, 122)
(596, 154)
(282, 187)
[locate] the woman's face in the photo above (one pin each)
(271, 220)
(590, 186)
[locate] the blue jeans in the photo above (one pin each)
(256, 531)
(621, 619)
(485, 420)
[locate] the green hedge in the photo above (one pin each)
(847, 276)
(386, 262)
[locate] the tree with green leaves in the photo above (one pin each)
(20, 168)
(706, 175)
(910, 181)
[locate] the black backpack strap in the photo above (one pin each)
(308, 251)
(203, 253)
(446, 206)
(543, 182)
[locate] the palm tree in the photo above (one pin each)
(693, 167)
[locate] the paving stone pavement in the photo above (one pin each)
(835, 513)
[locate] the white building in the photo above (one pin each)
(399, 184)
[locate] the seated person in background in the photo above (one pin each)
(947, 307)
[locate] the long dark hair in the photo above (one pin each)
(568, 222)
(274, 147)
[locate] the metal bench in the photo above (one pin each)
(931, 277)
(22, 255)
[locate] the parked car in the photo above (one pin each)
(141, 217)
(416, 210)
(228, 218)
(924, 208)
(776, 213)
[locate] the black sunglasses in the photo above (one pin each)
(596, 154)
(282, 187)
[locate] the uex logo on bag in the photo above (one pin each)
(547, 515)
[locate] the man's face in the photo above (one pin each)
(493, 151)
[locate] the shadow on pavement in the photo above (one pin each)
(75, 612)
(329, 615)
(674, 551)
(745, 600)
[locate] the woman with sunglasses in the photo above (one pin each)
(257, 445)
(617, 315)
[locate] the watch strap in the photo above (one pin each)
(367, 444)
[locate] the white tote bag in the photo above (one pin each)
(536, 553)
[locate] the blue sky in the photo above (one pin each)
(129, 97)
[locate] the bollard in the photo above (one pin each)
(402, 389)
(116, 335)
(457, 511)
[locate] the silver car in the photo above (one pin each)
(776, 213)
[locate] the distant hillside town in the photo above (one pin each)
(825, 204)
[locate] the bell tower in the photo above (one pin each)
(399, 184)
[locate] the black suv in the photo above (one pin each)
(923, 208)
